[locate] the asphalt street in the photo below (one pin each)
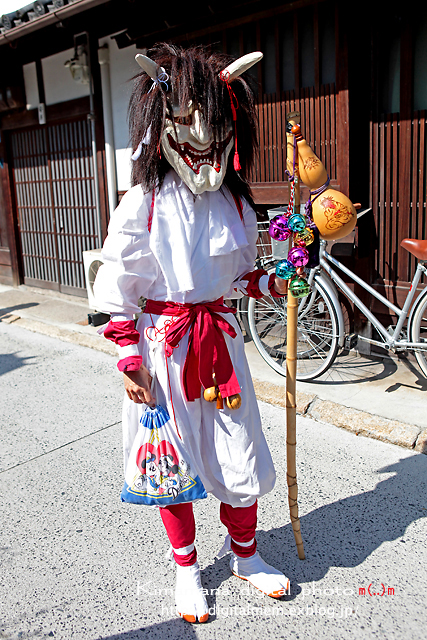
(77, 563)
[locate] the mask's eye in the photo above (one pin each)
(184, 119)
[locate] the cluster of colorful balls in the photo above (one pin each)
(283, 227)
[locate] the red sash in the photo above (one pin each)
(207, 351)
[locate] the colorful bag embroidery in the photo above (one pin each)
(159, 471)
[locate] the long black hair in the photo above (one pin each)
(193, 75)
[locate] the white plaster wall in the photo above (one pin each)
(58, 82)
(122, 68)
(60, 87)
(31, 87)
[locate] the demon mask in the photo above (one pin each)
(199, 113)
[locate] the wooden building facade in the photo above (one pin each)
(358, 83)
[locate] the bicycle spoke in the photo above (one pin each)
(317, 330)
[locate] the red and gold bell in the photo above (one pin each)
(305, 236)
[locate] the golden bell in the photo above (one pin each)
(234, 402)
(306, 236)
(210, 394)
(333, 214)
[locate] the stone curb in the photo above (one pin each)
(54, 331)
(358, 422)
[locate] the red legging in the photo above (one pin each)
(181, 529)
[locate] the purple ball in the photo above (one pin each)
(298, 256)
(278, 229)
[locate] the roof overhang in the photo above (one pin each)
(53, 17)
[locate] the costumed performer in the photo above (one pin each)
(184, 237)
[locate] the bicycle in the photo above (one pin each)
(320, 328)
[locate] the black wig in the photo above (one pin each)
(193, 75)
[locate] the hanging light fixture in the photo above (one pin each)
(78, 65)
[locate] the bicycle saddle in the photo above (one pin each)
(418, 248)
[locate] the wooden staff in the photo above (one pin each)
(291, 366)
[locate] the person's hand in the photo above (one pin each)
(281, 285)
(137, 385)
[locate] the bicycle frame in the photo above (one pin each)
(390, 340)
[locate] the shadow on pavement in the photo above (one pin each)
(173, 628)
(343, 533)
(4, 311)
(11, 361)
(350, 369)
(421, 381)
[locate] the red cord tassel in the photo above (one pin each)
(236, 161)
(234, 106)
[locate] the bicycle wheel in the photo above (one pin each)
(317, 332)
(418, 332)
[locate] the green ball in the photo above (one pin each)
(299, 287)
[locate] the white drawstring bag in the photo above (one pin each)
(159, 470)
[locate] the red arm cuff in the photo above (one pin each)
(122, 333)
(271, 288)
(253, 278)
(132, 363)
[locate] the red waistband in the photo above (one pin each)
(161, 307)
(207, 351)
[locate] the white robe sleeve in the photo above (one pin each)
(129, 267)
(247, 256)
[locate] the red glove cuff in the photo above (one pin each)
(253, 278)
(122, 333)
(131, 363)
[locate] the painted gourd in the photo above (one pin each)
(333, 214)
(311, 169)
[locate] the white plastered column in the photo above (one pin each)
(110, 151)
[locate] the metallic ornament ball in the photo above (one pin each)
(285, 269)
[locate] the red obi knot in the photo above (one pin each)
(207, 351)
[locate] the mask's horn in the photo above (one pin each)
(241, 65)
(148, 65)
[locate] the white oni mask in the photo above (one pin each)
(190, 148)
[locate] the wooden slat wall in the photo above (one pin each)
(318, 123)
(319, 104)
(390, 190)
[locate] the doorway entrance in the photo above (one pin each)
(55, 202)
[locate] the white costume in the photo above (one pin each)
(197, 250)
(191, 242)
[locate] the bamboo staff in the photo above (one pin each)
(291, 365)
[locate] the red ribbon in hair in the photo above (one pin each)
(234, 106)
(207, 351)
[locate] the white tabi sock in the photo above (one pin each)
(189, 597)
(261, 575)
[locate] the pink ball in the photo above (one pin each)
(298, 256)
(278, 229)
